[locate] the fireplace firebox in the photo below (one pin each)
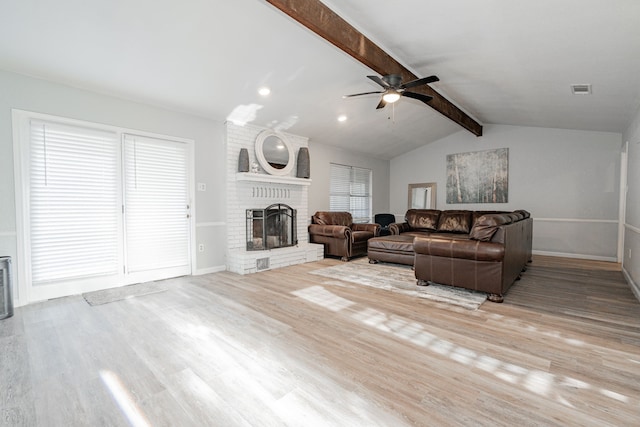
(272, 227)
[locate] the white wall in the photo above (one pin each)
(25, 93)
(568, 180)
(631, 262)
(321, 156)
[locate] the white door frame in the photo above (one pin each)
(24, 292)
(622, 212)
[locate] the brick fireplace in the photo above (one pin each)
(251, 191)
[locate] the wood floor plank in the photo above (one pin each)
(285, 347)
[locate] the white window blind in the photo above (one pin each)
(73, 201)
(156, 203)
(351, 191)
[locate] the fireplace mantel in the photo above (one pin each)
(272, 179)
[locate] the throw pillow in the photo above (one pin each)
(423, 219)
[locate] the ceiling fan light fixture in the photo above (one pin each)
(391, 96)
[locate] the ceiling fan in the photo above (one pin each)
(394, 89)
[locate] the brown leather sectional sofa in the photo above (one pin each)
(480, 250)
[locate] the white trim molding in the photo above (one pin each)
(210, 270)
(635, 288)
(632, 228)
(576, 256)
(604, 221)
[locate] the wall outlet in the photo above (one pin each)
(202, 186)
(201, 247)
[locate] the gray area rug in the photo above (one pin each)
(124, 292)
(401, 279)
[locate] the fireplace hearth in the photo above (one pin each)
(271, 228)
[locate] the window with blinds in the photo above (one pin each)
(350, 191)
(73, 202)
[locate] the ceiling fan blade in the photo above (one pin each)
(358, 94)
(381, 104)
(418, 96)
(420, 82)
(379, 81)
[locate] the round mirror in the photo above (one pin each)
(274, 153)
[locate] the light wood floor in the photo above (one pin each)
(285, 347)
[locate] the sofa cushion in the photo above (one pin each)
(448, 235)
(333, 218)
(423, 219)
(455, 222)
(399, 244)
(486, 226)
(477, 214)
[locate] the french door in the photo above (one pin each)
(100, 207)
(156, 208)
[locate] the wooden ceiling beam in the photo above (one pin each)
(317, 17)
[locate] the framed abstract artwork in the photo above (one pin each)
(478, 177)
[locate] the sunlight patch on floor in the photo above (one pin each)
(123, 399)
(320, 296)
(539, 382)
(613, 395)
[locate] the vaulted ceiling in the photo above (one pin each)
(500, 62)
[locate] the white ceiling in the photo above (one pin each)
(504, 62)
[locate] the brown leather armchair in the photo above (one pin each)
(339, 235)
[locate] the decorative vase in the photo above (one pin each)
(303, 163)
(243, 160)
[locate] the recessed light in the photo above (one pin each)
(581, 89)
(264, 91)
(342, 118)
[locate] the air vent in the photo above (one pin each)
(262, 264)
(581, 89)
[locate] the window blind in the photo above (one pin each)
(156, 203)
(73, 198)
(351, 191)
(340, 189)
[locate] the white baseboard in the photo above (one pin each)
(210, 270)
(577, 256)
(635, 288)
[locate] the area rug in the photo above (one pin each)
(401, 279)
(124, 292)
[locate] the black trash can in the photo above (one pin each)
(6, 301)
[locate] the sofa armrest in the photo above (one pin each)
(373, 228)
(466, 249)
(337, 231)
(399, 227)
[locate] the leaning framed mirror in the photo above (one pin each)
(422, 195)
(274, 153)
